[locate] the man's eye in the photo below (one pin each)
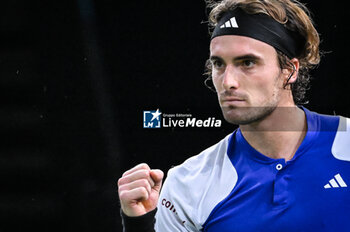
(217, 64)
(248, 63)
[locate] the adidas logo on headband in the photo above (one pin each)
(230, 23)
(260, 27)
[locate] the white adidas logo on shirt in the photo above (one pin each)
(336, 183)
(230, 23)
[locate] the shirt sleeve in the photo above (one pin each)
(174, 213)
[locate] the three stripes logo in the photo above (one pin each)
(230, 23)
(336, 182)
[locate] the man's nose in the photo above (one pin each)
(230, 78)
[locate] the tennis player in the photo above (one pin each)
(285, 168)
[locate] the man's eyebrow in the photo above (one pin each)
(239, 58)
(247, 57)
(215, 58)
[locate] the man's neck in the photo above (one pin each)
(279, 135)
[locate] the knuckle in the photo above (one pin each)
(144, 182)
(145, 166)
(146, 173)
(143, 192)
(121, 188)
(121, 181)
(122, 195)
(149, 189)
(142, 174)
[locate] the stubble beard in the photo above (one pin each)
(249, 115)
(246, 115)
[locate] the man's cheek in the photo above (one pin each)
(216, 85)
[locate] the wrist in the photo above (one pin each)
(143, 223)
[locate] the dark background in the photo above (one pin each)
(76, 77)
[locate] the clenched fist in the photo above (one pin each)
(139, 189)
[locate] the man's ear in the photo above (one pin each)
(291, 72)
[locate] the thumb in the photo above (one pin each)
(157, 176)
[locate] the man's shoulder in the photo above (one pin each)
(341, 143)
(205, 159)
(196, 186)
(339, 128)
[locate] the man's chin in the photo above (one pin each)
(245, 115)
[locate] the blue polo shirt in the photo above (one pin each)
(233, 187)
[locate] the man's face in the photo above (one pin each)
(247, 78)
